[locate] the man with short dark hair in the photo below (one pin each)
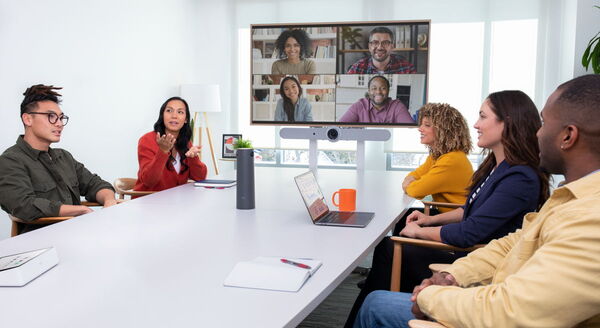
(544, 275)
(38, 181)
(378, 107)
(381, 61)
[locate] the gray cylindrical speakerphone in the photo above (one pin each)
(245, 178)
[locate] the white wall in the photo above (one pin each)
(117, 62)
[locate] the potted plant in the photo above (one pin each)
(242, 144)
(352, 36)
(592, 53)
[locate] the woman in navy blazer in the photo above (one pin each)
(507, 185)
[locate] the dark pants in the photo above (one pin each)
(415, 268)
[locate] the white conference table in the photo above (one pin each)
(160, 260)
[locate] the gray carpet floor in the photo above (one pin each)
(333, 311)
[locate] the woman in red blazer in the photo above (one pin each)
(166, 155)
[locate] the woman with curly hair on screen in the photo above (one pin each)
(293, 47)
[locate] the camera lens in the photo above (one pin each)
(332, 134)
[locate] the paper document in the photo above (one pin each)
(271, 273)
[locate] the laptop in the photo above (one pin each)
(318, 209)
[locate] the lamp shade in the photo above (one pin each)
(202, 97)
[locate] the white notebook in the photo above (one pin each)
(271, 273)
(212, 183)
(19, 269)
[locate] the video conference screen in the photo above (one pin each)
(348, 74)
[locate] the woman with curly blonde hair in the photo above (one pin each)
(447, 172)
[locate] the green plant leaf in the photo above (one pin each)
(588, 54)
(585, 59)
(243, 143)
(596, 58)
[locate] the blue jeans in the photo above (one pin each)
(383, 308)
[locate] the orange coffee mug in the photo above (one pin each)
(347, 199)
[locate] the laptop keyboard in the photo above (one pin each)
(337, 217)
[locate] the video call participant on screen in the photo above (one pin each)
(544, 275)
(166, 155)
(293, 47)
(292, 107)
(377, 107)
(39, 181)
(507, 185)
(382, 61)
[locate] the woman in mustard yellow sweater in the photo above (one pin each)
(447, 172)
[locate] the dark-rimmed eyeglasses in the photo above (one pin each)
(53, 118)
(384, 43)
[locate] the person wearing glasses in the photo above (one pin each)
(382, 61)
(377, 107)
(39, 181)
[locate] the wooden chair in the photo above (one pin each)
(18, 224)
(124, 186)
(428, 205)
(399, 241)
(424, 324)
(397, 257)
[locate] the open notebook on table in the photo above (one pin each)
(272, 273)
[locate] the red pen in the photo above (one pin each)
(300, 265)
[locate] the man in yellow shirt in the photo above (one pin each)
(548, 273)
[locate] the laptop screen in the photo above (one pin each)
(312, 195)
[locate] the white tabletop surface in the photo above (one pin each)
(160, 260)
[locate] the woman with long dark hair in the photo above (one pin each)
(166, 155)
(292, 107)
(507, 185)
(293, 47)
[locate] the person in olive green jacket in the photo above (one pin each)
(39, 181)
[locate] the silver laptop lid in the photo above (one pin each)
(312, 195)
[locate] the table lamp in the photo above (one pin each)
(203, 98)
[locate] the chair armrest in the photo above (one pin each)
(136, 193)
(397, 255)
(94, 204)
(89, 204)
(55, 219)
(432, 244)
(424, 324)
(441, 204)
(44, 220)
